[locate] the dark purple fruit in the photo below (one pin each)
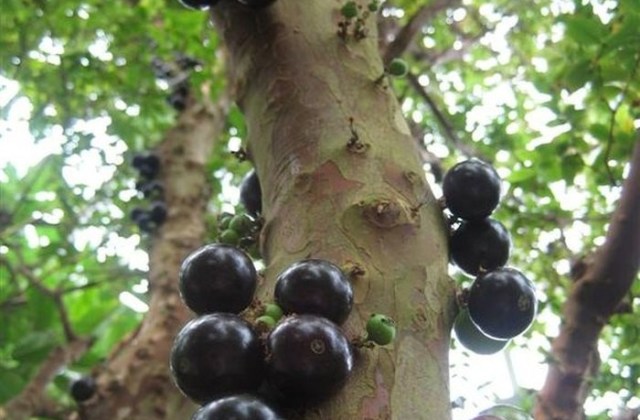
(217, 278)
(471, 189)
(145, 224)
(158, 212)
(502, 303)
(198, 4)
(177, 101)
(147, 165)
(136, 214)
(251, 194)
(314, 287)
(83, 388)
(482, 244)
(151, 189)
(237, 407)
(256, 4)
(217, 355)
(309, 359)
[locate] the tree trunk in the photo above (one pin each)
(135, 382)
(341, 181)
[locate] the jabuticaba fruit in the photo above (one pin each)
(217, 355)
(480, 245)
(502, 303)
(251, 194)
(470, 336)
(471, 189)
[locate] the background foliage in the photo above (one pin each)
(547, 90)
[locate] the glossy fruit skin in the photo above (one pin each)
(83, 388)
(256, 4)
(316, 287)
(147, 165)
(479, 244)
(309, 359)
(251, 194)
(216, 355)
(502, 303)
(471, 189)
(217, 278)
(158, 212)
(198, 4)
(380, 329)
(470, 336)
(237, 407)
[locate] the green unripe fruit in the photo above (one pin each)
(472, 338)
(229, 237)
(398, 68)
(274, 311)
(224, 221)
(349, 10)
(381, 329)
(373, 6)
(266, 322)
(241, 224)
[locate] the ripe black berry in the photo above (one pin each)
(251, 194)
(216, 355)
(136, 214)
(480, 244)
(158, 212)
(315, 287)
(217, 278)
(198, 4)
(151, 189)
(236, 407)
(502, 303)
(309, 359)
(144, 222)
(471, 189)
(147, 165)
(83, 388)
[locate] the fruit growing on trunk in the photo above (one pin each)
(237, 407)
(309, 359)
(472, 338)
(251, 194)
(471, 189)
(217, 278)
(216, 355)
(315, 287)
(482, 244)
(83, 388)
(502, 303)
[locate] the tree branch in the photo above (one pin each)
(405, 36)
(443, 122)
(593, 299)
(32, 398)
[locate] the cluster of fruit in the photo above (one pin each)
(501, 302)
(176, 75)
(206, 4)
(148, 166)
(292, 360)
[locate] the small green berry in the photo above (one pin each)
(224, 220)
(265, 322)
(241, 224)
(274, 311)
(381, 329)
(349, 10)
(470, 336)
(373, 6)
(229, 237)
(398, 68)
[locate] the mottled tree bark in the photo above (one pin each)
(342, 181)
(135, 383)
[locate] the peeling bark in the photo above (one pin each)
(306, 93)
(593, 299)
(135, 383)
